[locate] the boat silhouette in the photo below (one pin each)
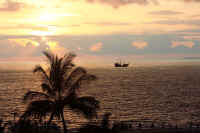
(119, 64)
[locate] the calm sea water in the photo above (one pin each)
(166, 93)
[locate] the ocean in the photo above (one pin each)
(157, 93)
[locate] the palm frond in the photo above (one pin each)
(76, 85)
(67, 61)
(46, 88)
(90, 100)
(56, 76)
(90, 77)
(50, 56)
(32, 95)
(77, 71)
(40, 70)
(87, 106)
(74, 75)
(38, 109)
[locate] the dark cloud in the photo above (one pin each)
(24, 26)
(36, 27)
(10, 6)
(185, 32)
(195, 22)
(165, 12)
(118, 3)
(191, 0)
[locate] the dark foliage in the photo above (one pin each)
(1, 126)
(60, 83)
(28, 126)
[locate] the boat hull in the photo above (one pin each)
(121, 65)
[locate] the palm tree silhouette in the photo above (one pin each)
(60, 83)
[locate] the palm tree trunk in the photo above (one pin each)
(64, 124)
(51, 118)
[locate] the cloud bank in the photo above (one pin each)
(29, 47)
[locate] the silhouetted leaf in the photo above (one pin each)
(67, 61)
(88, 106)
(77, 72)
(34, 95)
(89, 77)
(50, 56)
(43, 73)
(38, 109)
(48, 89)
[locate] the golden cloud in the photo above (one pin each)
(193, 37)
(25, 42)
(140, 44)
(96, 47)
(187, 44)
(34, 47)
(56, 48)
(10, 5)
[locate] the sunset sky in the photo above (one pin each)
(99, 31)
